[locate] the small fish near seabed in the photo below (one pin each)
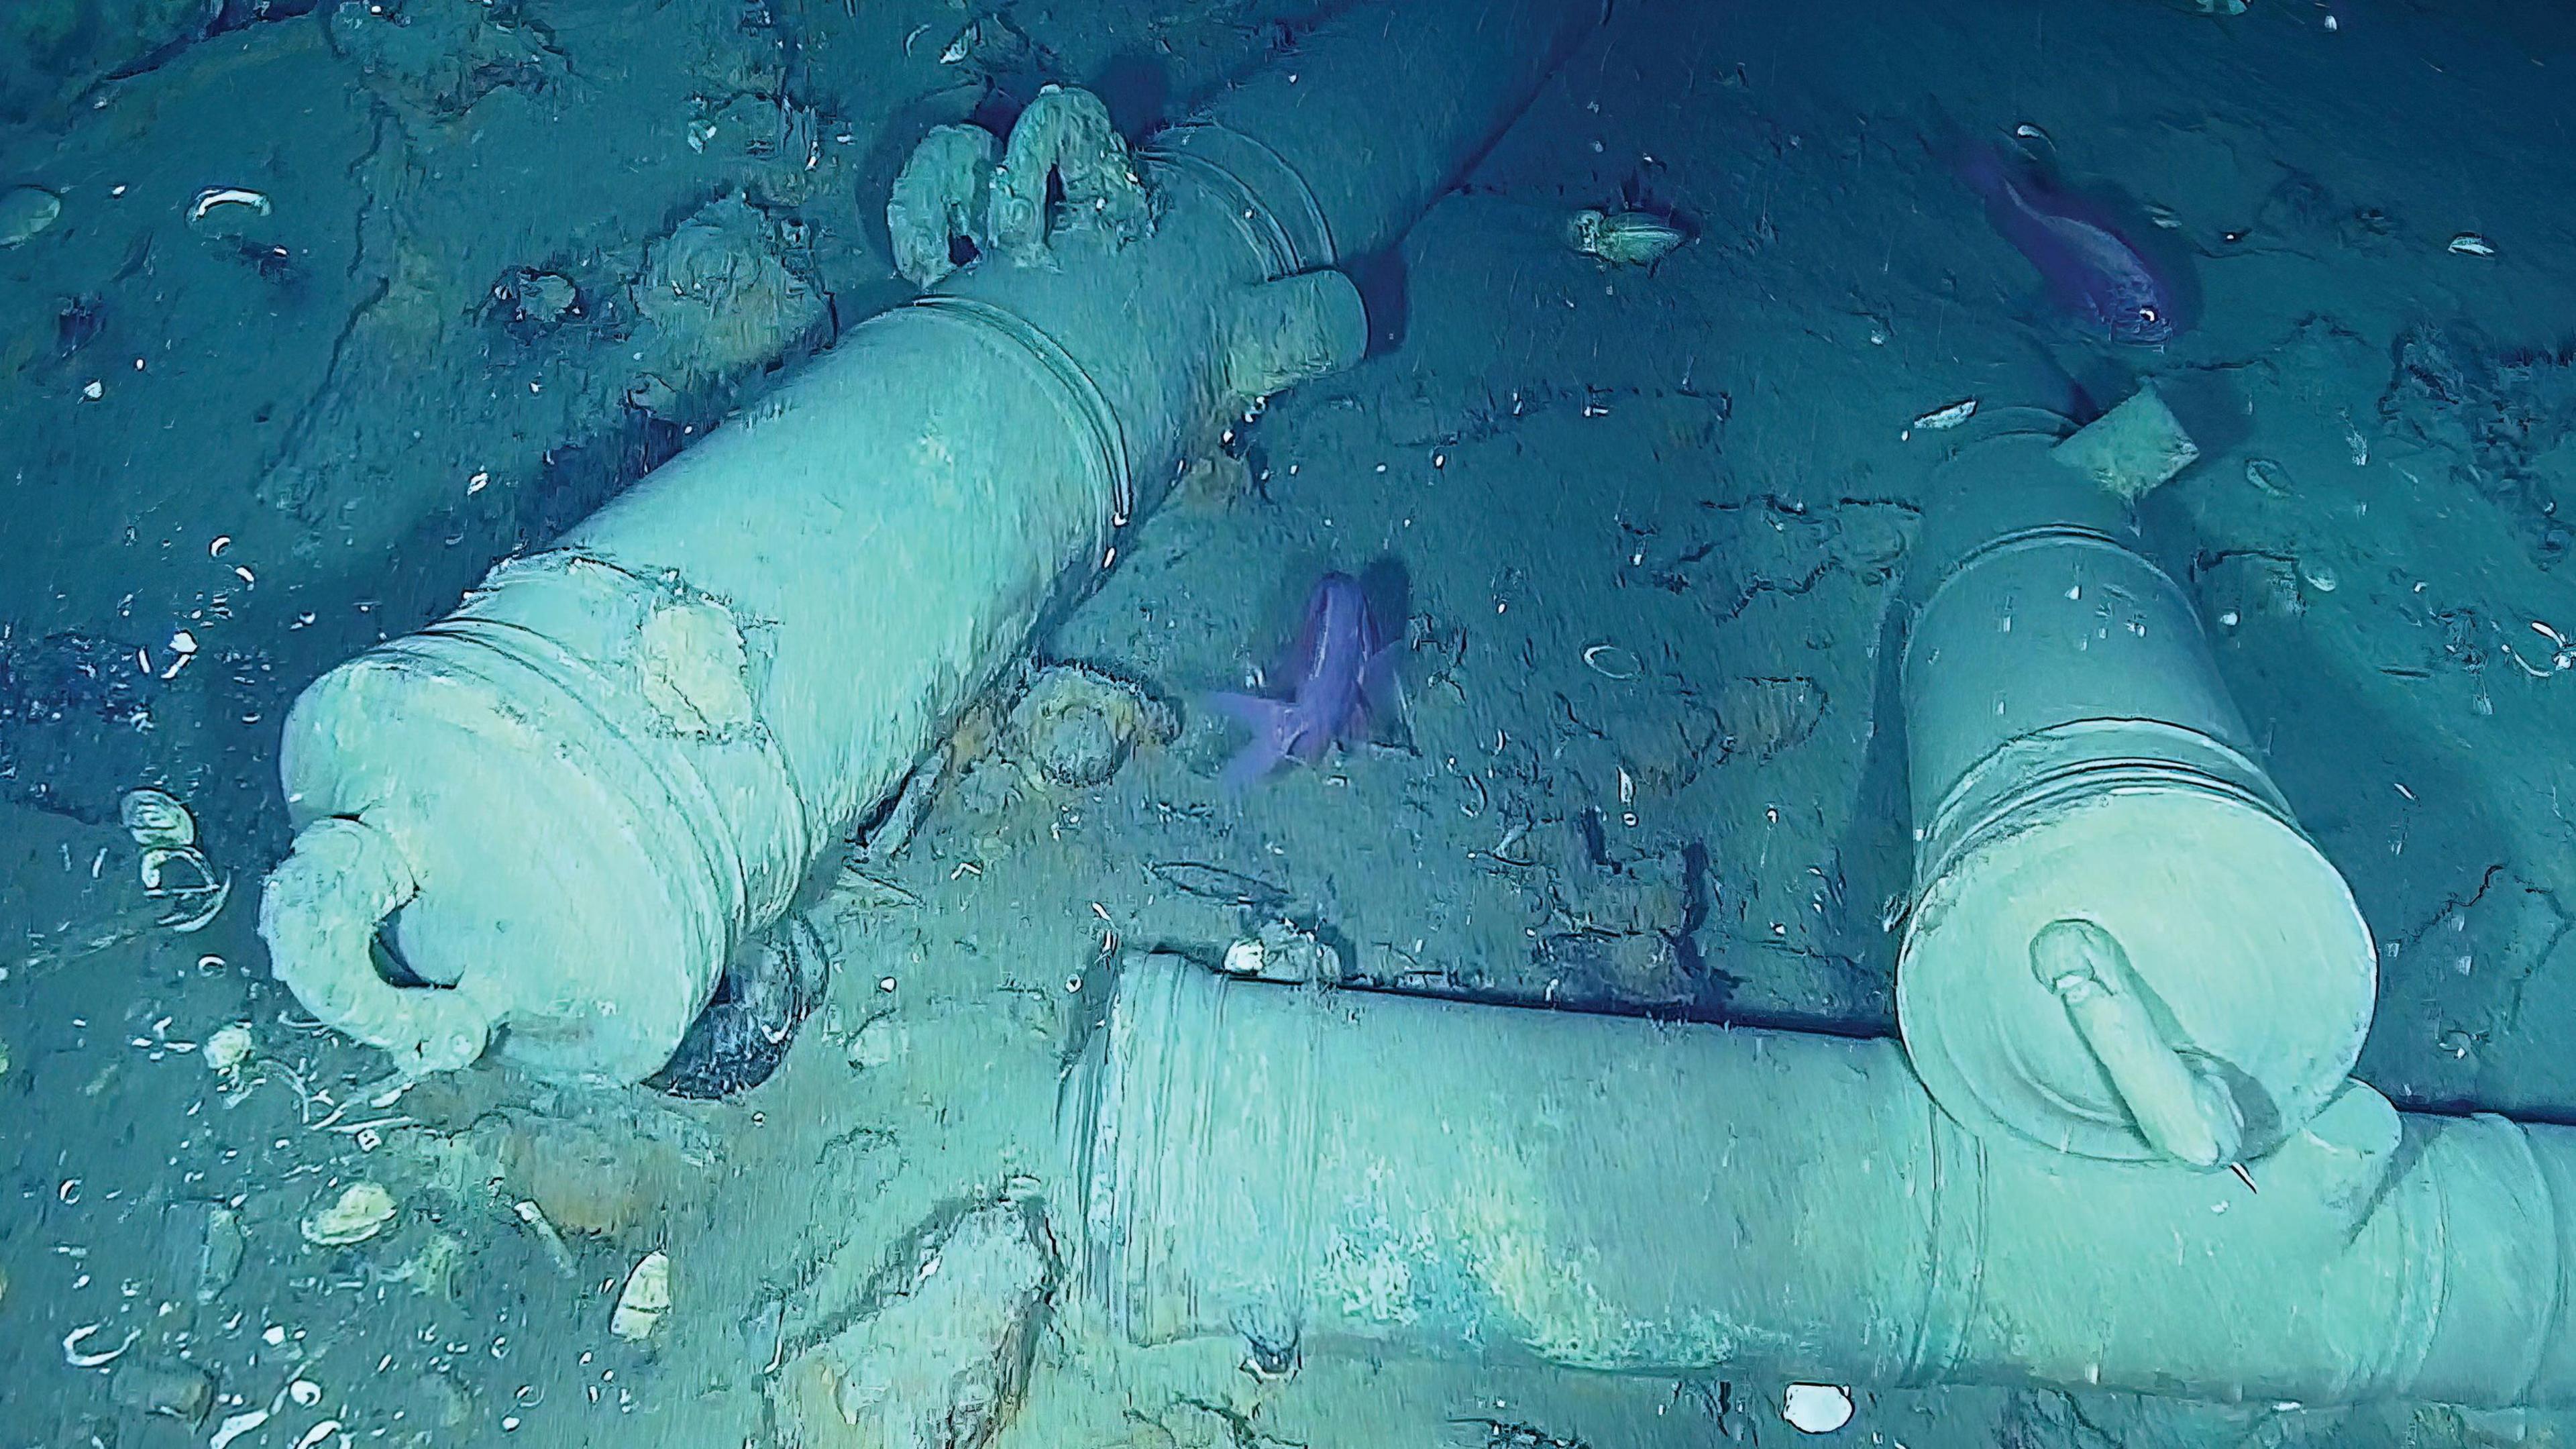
(2082, 247)
(1624, 238)
(1342, 677)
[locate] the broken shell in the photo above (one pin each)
(80, 1358)
(360, 1213)
(2470, 244)
(183, 924)
(25, 211)
(1623, 238)
(305, 1393)
(1816, 1408)
(216, 196)
(2268, 476)
(646, 1299)
(228, 1048)
(318, 1433)
(156, 819)
(236, 1425)
(157, 879)
(1612, 662)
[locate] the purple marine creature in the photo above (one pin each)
(2081, 247)
(1342, 674)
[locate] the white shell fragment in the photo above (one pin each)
(2470, 244)
(1243, 958)
(1281, 951)
(79, 1356)
(646, 1299)
(1946, 417)
(1816, 1408)
(361, 1212)
(227, 1049)
(235, 1426)
(215, 196)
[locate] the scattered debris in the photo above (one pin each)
(432, 1270)
(1216, 883)
(1765, 717)
(2499, 411)
(439, 57)
(1482, 1433)
(547, 1236)
(1283, 951)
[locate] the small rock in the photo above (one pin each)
(25, 211)
(1076, 725)
(938, 1362)
(547, 297)
(164, 1390)
(228, 1049)
(450, 1404)
(201, 1248)
(722, 300)
(361, 1212)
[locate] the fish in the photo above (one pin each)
(1624, 238)
(1342, 679)
(2081, 248)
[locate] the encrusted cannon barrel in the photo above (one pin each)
(569, 805)
(1313, 1170)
